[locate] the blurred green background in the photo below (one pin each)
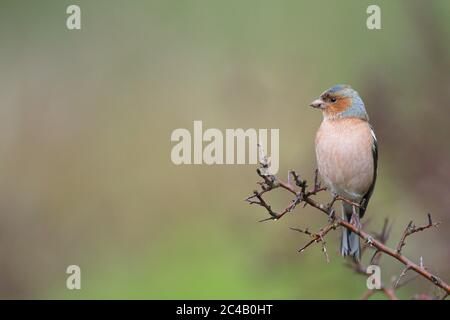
(85, 124)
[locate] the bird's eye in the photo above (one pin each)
(333, 99)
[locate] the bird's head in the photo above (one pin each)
(341, 101)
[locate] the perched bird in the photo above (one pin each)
(347, 155)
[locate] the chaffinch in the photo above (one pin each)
(346, 151)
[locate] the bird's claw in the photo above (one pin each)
(354, 220)
(331, 214)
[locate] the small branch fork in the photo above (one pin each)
(317, 237)
(411, 229)
(303, 195)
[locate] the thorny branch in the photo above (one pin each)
(303, 195)
(411, 229)
(359, 268)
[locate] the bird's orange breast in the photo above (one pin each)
(344, 156)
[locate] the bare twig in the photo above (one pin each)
(377, 242)
(411, 229)
(359, 268)
(317, 237)
(397, 282)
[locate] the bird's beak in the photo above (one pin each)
(318, 103)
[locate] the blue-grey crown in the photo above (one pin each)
(357, 109)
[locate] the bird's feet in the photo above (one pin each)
(331, 215)
(354, 220)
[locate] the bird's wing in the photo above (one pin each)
(366, 198)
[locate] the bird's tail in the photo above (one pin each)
(350, 245)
